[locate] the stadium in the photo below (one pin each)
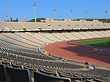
(55, 51)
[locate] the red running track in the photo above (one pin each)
(75, 53)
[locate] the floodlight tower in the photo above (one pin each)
(86, 14)
(6, 13)
(54, 11)
(106, 14)
(34, 10)
(71, 13)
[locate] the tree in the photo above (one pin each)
(16, 19)
(6, 21)
(78, 19)
(10, 19)
(37, 20)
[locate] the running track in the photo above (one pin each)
(66, 51)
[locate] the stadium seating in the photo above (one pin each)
(69, 36)
(64, 25)
(17, 64)
(94, 34)
(87, 23)
(78, 35)
(60, 36)
(107, 25)
(6, 25)
(86, 34)
(3, 76)
(54, 25)
(16, 25)
(105, 33)
(30, 26)
(80, 24)
(73, 25)
(1, 27)
(21, 50)
(101, 25)
(12, 75)
(41, 77)
(44, 26)
(18, 75)
(50, 37)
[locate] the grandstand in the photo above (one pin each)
(23, 50)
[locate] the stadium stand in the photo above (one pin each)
(73, 25)
(54, 25)
(16, 40)
(69, 36)
(94, 25)
(16, 25)
(86, 34)
(81, 26)
(45, 77)
(106, 33)
(30, 26)
(60, 36)
(1, 27)
(5, 26)
(18, 75)
(86, 23)
(94, 34)
(100, 34)
(25, 36)
(50, 37)
(78, 35)
(3, 73)
(101, 25)
(64, 25)
(107, 25)
(44, 26)
(20, 53)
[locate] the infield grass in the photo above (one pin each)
(105, 43)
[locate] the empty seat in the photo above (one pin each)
(77, 81)
(90, 80)
(2, 73)
(99, 80)
(31, 68)
(41, 77)
(17, 65)
(18, 75)
(73, 79)
(85, 78)
(52, 73)
(6, 62)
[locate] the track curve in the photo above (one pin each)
(76, 53)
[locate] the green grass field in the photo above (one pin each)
(105, 43)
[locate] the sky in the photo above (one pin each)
(44, 9)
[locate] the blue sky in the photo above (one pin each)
(44, 9)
